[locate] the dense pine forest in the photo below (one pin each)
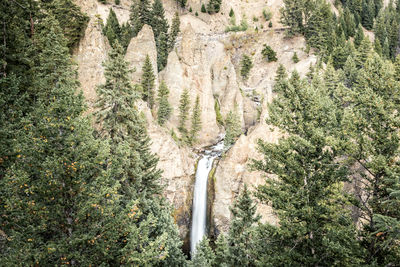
(83, 187)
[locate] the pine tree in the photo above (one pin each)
(204, 256)
(126, 35)
(196, 121)
(123, 121)
(373, 115)
(152, 239)
(71, 19)
(246, 66)
(112, 30)
(295, 58)
(140, 14)
(162, 51)
(368, 14)
(281, 74)
(363, 51)
(292, 16)
(175, 29)
(214, 6)
(164, 108)
(268, 53)
(233, 128)
(158, 21)
(183, 111)
(57, 188)
(221, 252)
(359, 36)
(313, 228)
(242, 230)
(147, 82)
(182, 3)
(203, 8)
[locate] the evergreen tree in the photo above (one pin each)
(70, 17)
(281, 74)
(162, 51)
(368, 14)
(140, 14)
(175, 29)
(233, 128)
(268, 53)
(214, 6)
(313, 227)
(183, 111)
(221, 252)
(363, 51)
(295, 58)
(158, 21)
(373, 113)
(204, 256)
(203, 8)
(182, 3)
(57, 188)
(125, 127)
(196, 121)
(242, 231)
(246, 66)
(147, 82)
(126, 35)
(359, 36)
(164, 108)
(292, 16)
(151, 240)
(112, 30)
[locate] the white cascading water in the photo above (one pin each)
(199, 214)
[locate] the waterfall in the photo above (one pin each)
(199, 214)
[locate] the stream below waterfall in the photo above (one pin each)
(199, 213)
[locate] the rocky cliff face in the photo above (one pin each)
(206, 61)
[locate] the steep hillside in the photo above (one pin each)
(206, 61)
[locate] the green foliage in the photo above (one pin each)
(147, 82)
(218, 115)
(196, 121)
(295, 58)
(203, 8)
(140, 14)
(70, 17)
(246, 65)
(117, 2)
(204, 256)
(237, 28)
(359, 36)
(158, 22)
(242, 231)
(308, 178)
(112, 29)
(196, 14)
(114, 32)
(233, 128)
(184, 107)
(164, 108)
(162, 51)
(175, 29)
(270, 24)
(231, 13)
(268, 53)
(214, 6)
(267, 14)
(182, 3)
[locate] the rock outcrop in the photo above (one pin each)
(139, 47)
(90, 55)
(200, 64)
